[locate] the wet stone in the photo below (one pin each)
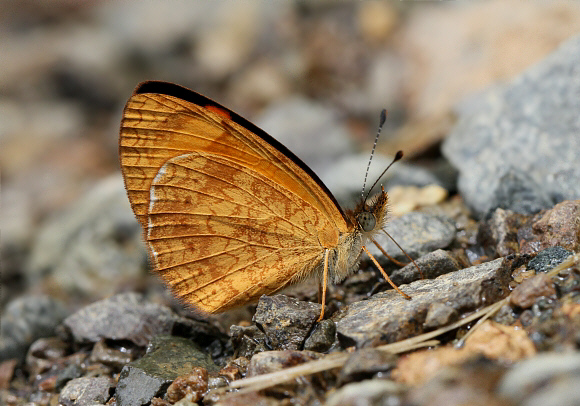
(432, 265)
(44, 353)
(192, 386)
(548, 259)
(235, 369)
(86, 391)
(26, 319)
(322, 337)
(109, 356)
(168, 357)
(505, 315)
(417, 233)
(366, 363)
(285, 321)
(127, 316)
(526, 293)
(553, 324)
(388, 317)
(568, 281)
(70, 372)
(438, 315)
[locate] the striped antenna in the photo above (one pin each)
(382, 120)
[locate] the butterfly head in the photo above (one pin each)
(370, 216)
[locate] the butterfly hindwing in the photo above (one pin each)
(218, 236)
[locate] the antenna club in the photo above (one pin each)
(398, 156)
(383, 117)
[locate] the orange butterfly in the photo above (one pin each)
(229, 213)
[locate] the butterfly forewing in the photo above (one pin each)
(228, 216)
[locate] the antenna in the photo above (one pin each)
(382, 120)
(398, 156)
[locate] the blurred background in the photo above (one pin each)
(315, 75)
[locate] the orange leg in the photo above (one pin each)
(401, 248)
(385, 274)
(396, 262)
(324, 282)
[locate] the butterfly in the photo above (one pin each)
(230, 214)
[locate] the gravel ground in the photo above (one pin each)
(484, 103)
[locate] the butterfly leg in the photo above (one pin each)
(393, 260)
(385, 274)
(401, 248)
(324, 282)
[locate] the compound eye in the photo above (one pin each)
(366, 220)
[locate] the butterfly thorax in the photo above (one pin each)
(365, 221)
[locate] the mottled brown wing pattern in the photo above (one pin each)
(228, 217)
(222, 235)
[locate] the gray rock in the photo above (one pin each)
(417, 233)
(546, 379)
(116, 359)
(272, 361)
(126, 316)
(365, 363)
(442, 174)
(564, 392)
(563, 185)
(248, 340)
(439, 314)
(94, 247)
(17, 233)
(136, 387)
(472, 383)
(310, 130)
(549, 258)
(285, 321)
(388, 317)
(26, 319)
(322, 337)
(531, 125)
(44, 353)
(167, 358)
(432, 265)
(375, 392)
(69, 373)
(499, 233)
(86, 392)
(518, 192)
